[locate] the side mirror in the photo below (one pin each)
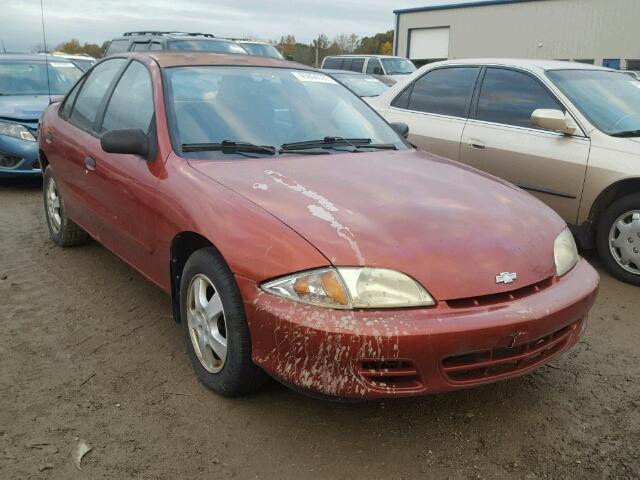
(401, 128)
(133, 142)
(289, 57)
(555, 120)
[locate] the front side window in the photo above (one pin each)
(610, 100)
(86, 106)
(68, 101)
(29, 77)
(398, 66)
(209, 45)
(509, 97)
(131, 105)
(444, 91)
(374, 67)
(267, 106)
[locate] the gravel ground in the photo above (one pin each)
(88, 350)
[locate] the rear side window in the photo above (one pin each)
(68, 101)
(131, 105)
(374, 67)
(357, 64)
(510, 97)
(445, 91)
(89, 99)
(333, 63)
(118, 46)
(346, 64)
(137, 46)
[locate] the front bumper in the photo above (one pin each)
(27, 154)
(393, 353)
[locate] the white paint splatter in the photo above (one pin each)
(260, 186)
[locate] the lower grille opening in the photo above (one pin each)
(484, 365)
(497, 298)
(396, 374)
(35, 165)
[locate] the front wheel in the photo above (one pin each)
(215, 326)
(618, 239)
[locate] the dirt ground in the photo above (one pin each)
(88, 349)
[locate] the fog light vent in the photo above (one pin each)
(394, 374)
(9, 161)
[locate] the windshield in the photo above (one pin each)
(610, 100)
(30, 77)
(267, 106)
(218, 46)
(398, 66)
(362, 85)
(262, 50)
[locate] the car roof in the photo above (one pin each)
(168, 59)
(148, 35)
(530, 64)
(33, 57)
(363, 56)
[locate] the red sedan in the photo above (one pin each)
(300, 235)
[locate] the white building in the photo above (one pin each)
(602, 32)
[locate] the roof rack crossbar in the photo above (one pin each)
(159, 33)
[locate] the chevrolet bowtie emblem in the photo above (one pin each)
(506, 277)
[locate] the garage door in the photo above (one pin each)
(429, 43)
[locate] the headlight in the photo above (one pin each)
(351, 287)
(16, 131)
(565, 252)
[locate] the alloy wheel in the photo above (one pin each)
(207, 324)
(624, 241)
(53, 206)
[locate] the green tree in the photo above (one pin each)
(74, 47)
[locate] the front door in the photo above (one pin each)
(499, 138)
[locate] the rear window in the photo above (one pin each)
(217, 46)
(118, 46)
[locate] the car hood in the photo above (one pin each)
(23, 108)
(450, 227)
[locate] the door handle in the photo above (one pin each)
(477, 144)
(90, 163)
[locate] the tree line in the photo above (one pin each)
(380, 43)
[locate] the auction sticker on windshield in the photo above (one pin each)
(313, 77)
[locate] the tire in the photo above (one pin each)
(619, 249)
(64, 232)
(212, 314)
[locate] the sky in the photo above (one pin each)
(95, 21)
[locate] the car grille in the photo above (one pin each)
(9, 161)
(496, 298)
(498, 362)
(396, 374)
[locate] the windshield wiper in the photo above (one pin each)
(332, 142)
(228, 146)
(627, 133)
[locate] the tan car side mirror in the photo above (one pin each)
(554, 120)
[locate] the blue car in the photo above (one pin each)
(25, 91)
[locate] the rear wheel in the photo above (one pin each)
(215, 326)
(64, 232)
(618, 239)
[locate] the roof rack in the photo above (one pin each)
(158, 33)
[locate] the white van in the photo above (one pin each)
(387, 68)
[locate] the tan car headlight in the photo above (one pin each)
(565, 252)
(351, 288)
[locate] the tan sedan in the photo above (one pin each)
(566, 132)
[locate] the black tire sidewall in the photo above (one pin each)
(239, 374)
(605, 222)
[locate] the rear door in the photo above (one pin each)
(436, 106)
(499, 138)
(76, 138)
